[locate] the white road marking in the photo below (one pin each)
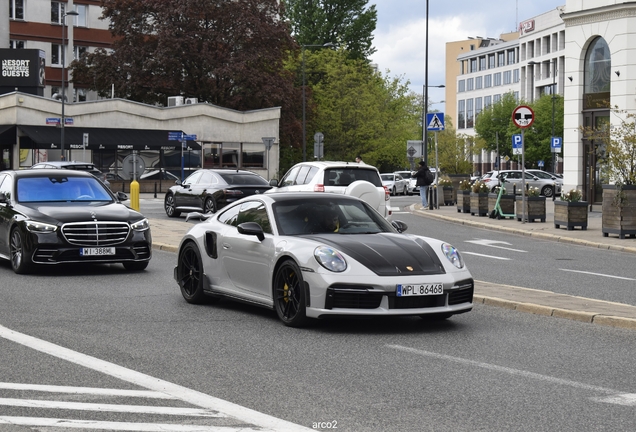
(85, 390)
(117, 426)
(627, 399)
(176, 391)
(82, 406)
(494, 244)
(616, 397)
(598, 274)
(484, 255)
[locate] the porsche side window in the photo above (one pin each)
(193, 178)
(229, 216)
(254, 211)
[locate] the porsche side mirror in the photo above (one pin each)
(399, 226)
(251, 228)
(122, 196)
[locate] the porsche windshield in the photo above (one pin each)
(333, 215)
(60, 188)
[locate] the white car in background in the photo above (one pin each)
(396, 184)
(408, 176)
(348, 178)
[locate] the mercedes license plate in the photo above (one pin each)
(97, 251)
(420, 289)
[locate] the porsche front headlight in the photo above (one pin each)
(141, 225)
(452, 255)
(330, 259)
(40, 227)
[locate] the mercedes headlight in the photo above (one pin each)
(141, 225)
(330, 259)
(40, 227)
(452, 255)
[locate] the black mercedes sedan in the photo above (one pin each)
(59, 216)
(208, 190)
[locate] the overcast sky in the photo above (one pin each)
(400, 35)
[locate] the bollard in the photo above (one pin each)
(155, 189)
(134, 195)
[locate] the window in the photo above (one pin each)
(16, 9)
(487, 81)
(16, 44)
(80, 20)
(498, 79)
(487, 101)
(57, 12)
(491, 61)
(501, 59)
(254, 211)
(470, 84)
(461, 108)
(482, 63)
(516, 95)
(78, 51)
(461, 86)
(56, 54)
(507, 77)
(511, 57)
(469, 113)
(515, 75)
(598, 67)
(473, 65)
(478, 83)
(478, 106)
(80, 94)
(496, 98)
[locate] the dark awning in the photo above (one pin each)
(7, 134)
(49, 137)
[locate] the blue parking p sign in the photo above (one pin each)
(517, 142)
(556, 144)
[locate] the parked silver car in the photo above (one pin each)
(514, 178)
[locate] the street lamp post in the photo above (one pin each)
(62, 120)
(328, 44)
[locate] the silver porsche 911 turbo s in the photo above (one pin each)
(310, 255)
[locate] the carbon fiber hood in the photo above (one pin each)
(386, 254)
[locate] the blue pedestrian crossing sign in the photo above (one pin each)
(435, 121)
(556, 144)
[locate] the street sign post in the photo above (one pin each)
(517, 144)
(523, 117)
(414, 149)
(556, 145)
(435, 121)
(268, 141)
(318, 145)
(183, 137)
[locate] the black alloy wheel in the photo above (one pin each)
(169, 206)
(289, 295)
(209, 206)
(20, 263)
(190, 274)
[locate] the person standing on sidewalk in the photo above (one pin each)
(423, 176)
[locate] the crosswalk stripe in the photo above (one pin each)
(118, 426)
(84, 406)
(85, 390)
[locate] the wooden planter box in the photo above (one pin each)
(507, 204)
(621, 219)
(448, 195)
(463, 201)
(479, 204)
(570, 214)
(535, 208)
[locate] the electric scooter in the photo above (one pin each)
(497, 212)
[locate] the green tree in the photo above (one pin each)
(453, 150)
(539, 136)
(494, 125)
(229, 53)
(358, 110)
(349, 23)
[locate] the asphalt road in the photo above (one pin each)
(489, 369)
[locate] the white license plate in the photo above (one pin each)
(419, 290)
(97, 251)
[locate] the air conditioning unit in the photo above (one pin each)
(191, 101)
(175, 101)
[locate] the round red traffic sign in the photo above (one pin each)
(523, 116)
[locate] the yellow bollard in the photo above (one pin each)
(134, 195)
